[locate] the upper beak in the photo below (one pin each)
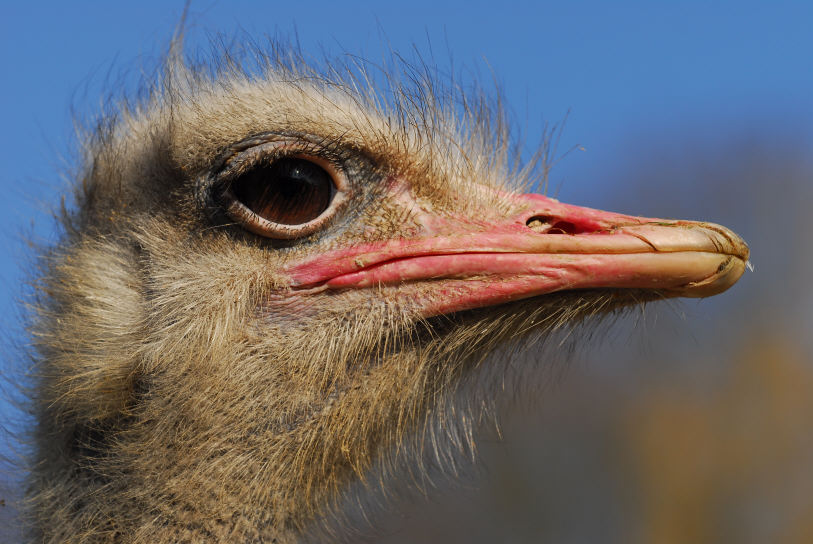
(545, 247)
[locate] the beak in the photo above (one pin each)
(462, 263)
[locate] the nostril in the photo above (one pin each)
(539, 223)
(549, 225)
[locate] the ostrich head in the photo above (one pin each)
(270, 283)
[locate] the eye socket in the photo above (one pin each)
(286, 198)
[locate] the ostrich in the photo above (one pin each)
(274, 281)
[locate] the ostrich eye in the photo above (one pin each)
(288, 198)
(287, 192)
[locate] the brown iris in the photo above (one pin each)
(289, 191)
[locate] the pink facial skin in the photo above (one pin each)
(547, 247)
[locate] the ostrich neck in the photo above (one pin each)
(197, 455)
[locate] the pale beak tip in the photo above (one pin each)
(728, 273)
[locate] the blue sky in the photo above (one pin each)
(626, 72)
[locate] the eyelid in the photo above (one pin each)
(268, 153)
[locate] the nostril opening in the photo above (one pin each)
(539, 223)
(549, 225)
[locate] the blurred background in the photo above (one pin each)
(690, 422)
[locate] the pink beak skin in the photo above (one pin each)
(546, 248)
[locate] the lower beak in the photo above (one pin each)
(547, 247)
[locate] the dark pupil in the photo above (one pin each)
(288, 191)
